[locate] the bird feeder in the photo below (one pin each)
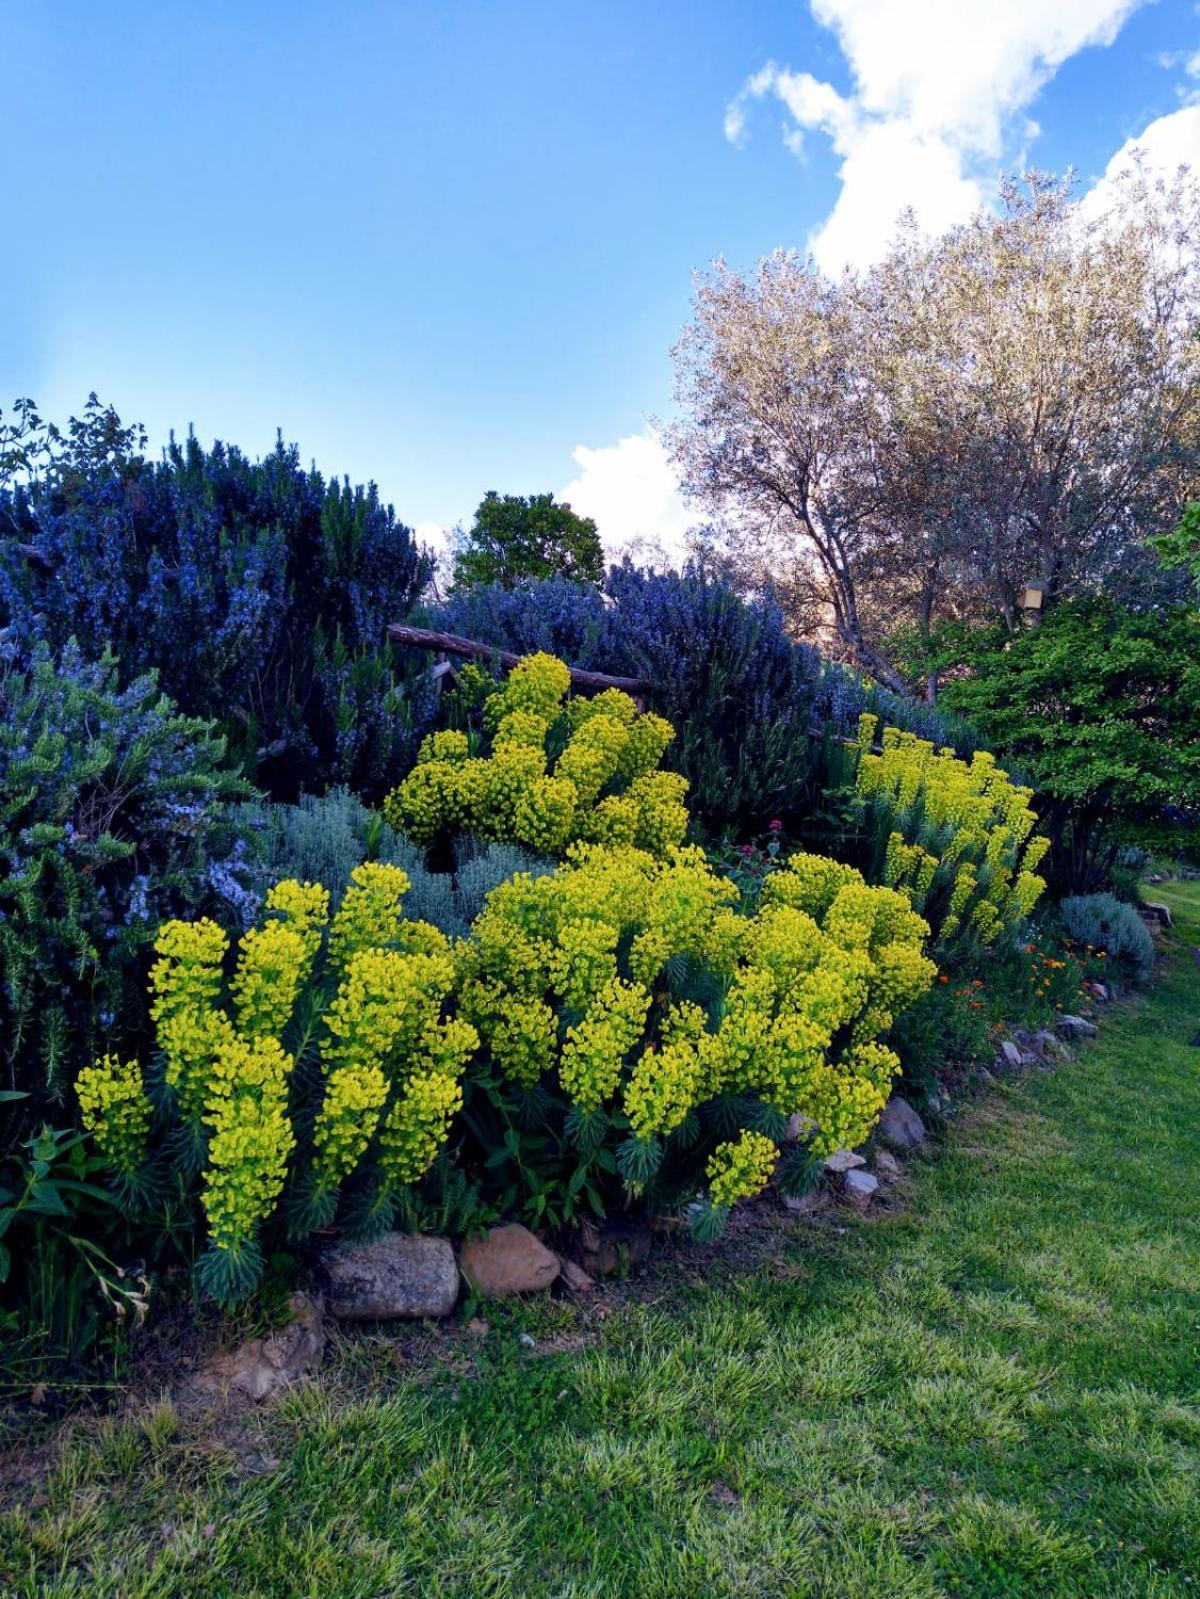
(1033, 597)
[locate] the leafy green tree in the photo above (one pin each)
(1180, 548)
(1100, 707)
(515, 537)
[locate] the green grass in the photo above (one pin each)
(994, 1391)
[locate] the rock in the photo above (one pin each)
(614, 1247)
(262, 1367)
(573, 1276)
(1013, 1057)
(887, 1168)
(798, 1127)
(843, 1161)
(1076, 1027)
(526, 1340)
(805, 1204)
(858, 1189)
(508, 1260)
(985, 1076)
(900, 1126)
(1157, 911)
(396, 1276)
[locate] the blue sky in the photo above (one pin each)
(448, 246)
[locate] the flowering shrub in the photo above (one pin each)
(668, 1039)
(603, 786)
(742, 695)
(325, 1055)
(114, 813)
(958, 837)
(257, 590)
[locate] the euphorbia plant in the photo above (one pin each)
(326, 1055)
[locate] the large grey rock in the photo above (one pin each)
(1076, 1027)
(1013, 1057)
(844, 1160)
(265, 1366)
(393, 1277)
(508, 1260)
(1156, 911)
(858, 1189)
(900, 1126)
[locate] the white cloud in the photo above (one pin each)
(630, 491)
(434, 535)
(937, 88)
(1167, 144)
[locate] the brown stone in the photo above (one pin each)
(265, 1366)
(887, 1167)
(573, 1276)
(508, 1260)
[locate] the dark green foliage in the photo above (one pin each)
(258, 591)
(114, 814)
(516, 538)
(1100, 706)
(62, 1294)
(757, 715)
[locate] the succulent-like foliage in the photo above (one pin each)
(959, 838)
(627, 988)
(360, 999)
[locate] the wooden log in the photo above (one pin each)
(423, 638)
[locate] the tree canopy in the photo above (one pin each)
(1100, 706)
(515, 537)
(1017, 402)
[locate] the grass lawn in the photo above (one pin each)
(993, 1391)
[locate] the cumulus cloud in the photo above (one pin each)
(630, 491)
(937, 89)
(1164, 146)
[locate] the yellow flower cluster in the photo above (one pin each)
(115, 1111)
(185, 985)
(391, 1060)
(561, 974)
(387, 1042)
(418, 1125)
(962, 847)
(741, 1168)
(251, 1137)
(369, 915)
(604, 786)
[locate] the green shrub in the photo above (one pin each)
(321, 839)
(115, 814)
(1103, 922)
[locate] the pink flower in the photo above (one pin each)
(747, 849)
(777, 827)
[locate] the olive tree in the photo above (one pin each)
(1013, 403)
